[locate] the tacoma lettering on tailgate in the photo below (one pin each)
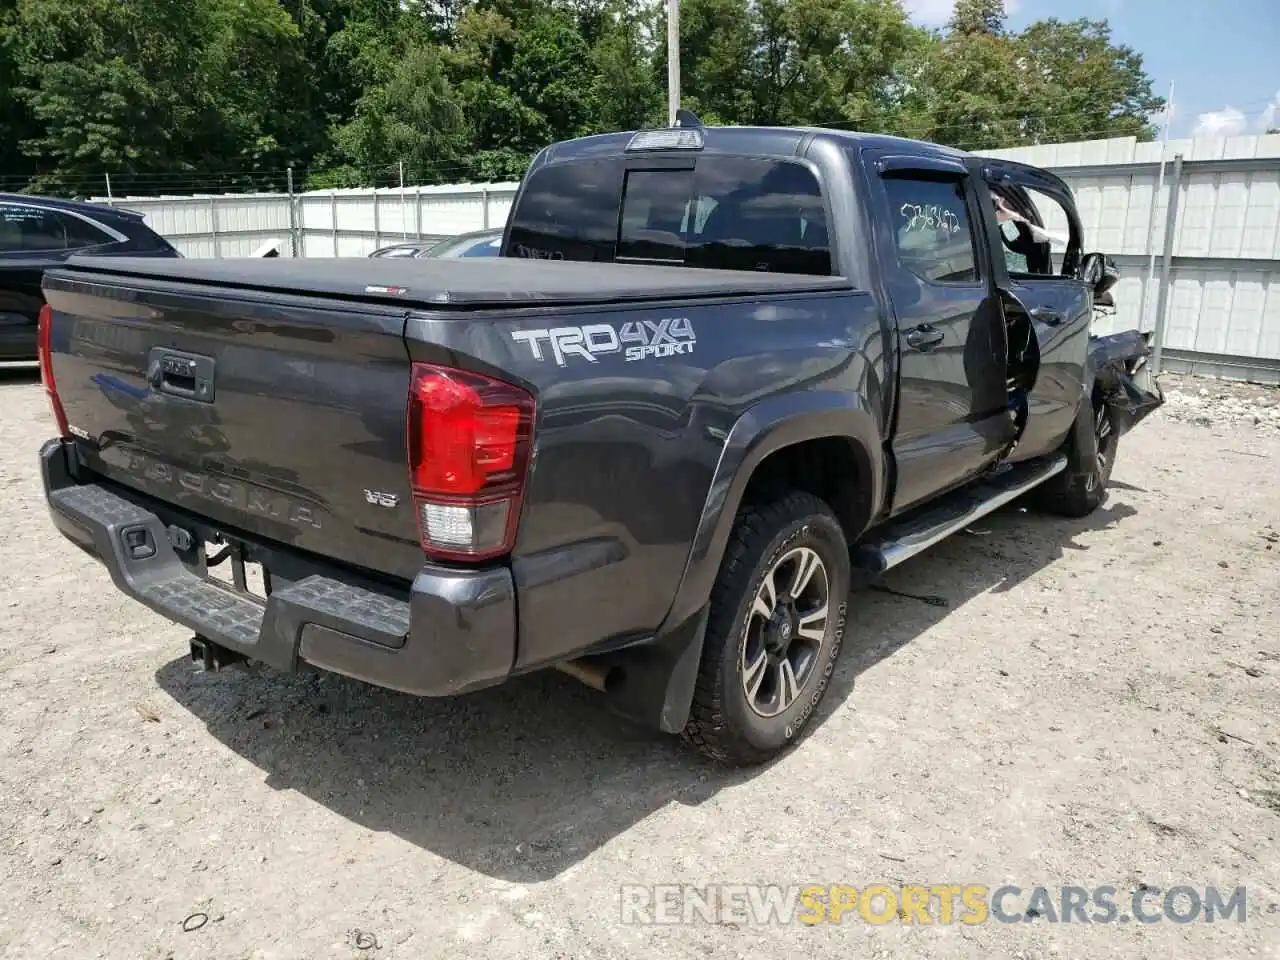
(236, 494)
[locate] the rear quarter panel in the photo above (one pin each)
(626, 449)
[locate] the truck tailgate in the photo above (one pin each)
(275, 415)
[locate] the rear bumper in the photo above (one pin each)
(455, 631)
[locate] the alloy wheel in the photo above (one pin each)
(785, 630)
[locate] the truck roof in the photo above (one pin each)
(749, 141)
(777, 142)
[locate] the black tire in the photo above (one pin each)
(773, 540)
(1082, 487)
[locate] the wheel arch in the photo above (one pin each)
(781, 441)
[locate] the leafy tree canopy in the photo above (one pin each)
(176, 94)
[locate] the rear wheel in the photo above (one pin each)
(773, 632)
(1081, 488)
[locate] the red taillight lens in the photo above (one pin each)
(469, 442)
(44, 332)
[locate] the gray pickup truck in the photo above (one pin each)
(717, 377)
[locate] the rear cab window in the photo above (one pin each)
(727, 213)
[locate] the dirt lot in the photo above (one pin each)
(1096, 703)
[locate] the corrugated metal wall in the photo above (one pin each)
(330, 223)
(1223, 311)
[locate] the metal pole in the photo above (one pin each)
(673, 60)
(377, 227)
(484, 206)
(293, 216)
(213, 224)
(109, 197)
(1162, 304)
(333, 218)
(1151, 212)
(404, 218)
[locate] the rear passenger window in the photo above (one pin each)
(26, 229)
(932, 230)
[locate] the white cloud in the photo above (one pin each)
(1227, 122)
(1232, 122)
(935, 13)
(1267, 118)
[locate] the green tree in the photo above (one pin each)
(625, 91)
(794, 61)
(16, 122)
(977, 94)
(1055, 81)
(1086, 86)
(413, 117)
(526, 79)
(157, 86)
(973, 17)
(717, 58)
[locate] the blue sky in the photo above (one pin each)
(1221, 55)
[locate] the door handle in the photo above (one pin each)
(924, 336)
(1048, 316)
(183, 375)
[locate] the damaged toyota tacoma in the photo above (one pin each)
(716, 378)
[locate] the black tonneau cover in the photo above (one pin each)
(458, 282)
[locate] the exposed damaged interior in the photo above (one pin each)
(1034, 249)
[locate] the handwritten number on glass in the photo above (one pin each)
(929, 216)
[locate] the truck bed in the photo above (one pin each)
(460, 283)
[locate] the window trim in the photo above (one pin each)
(939, 173)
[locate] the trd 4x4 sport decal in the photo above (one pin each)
(635, 339)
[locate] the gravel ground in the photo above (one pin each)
(1222, 403)
(1094, 704)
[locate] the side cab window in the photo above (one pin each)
(932, 229)
(1035, 233)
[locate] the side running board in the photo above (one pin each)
(903, 537)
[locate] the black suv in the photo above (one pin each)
(38, 232)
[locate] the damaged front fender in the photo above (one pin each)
(1119, 372)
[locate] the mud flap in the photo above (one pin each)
(1118, 367)
(658, 678)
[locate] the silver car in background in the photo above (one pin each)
(477, 243)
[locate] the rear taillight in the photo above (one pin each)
(469, 441)
(44, 349)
